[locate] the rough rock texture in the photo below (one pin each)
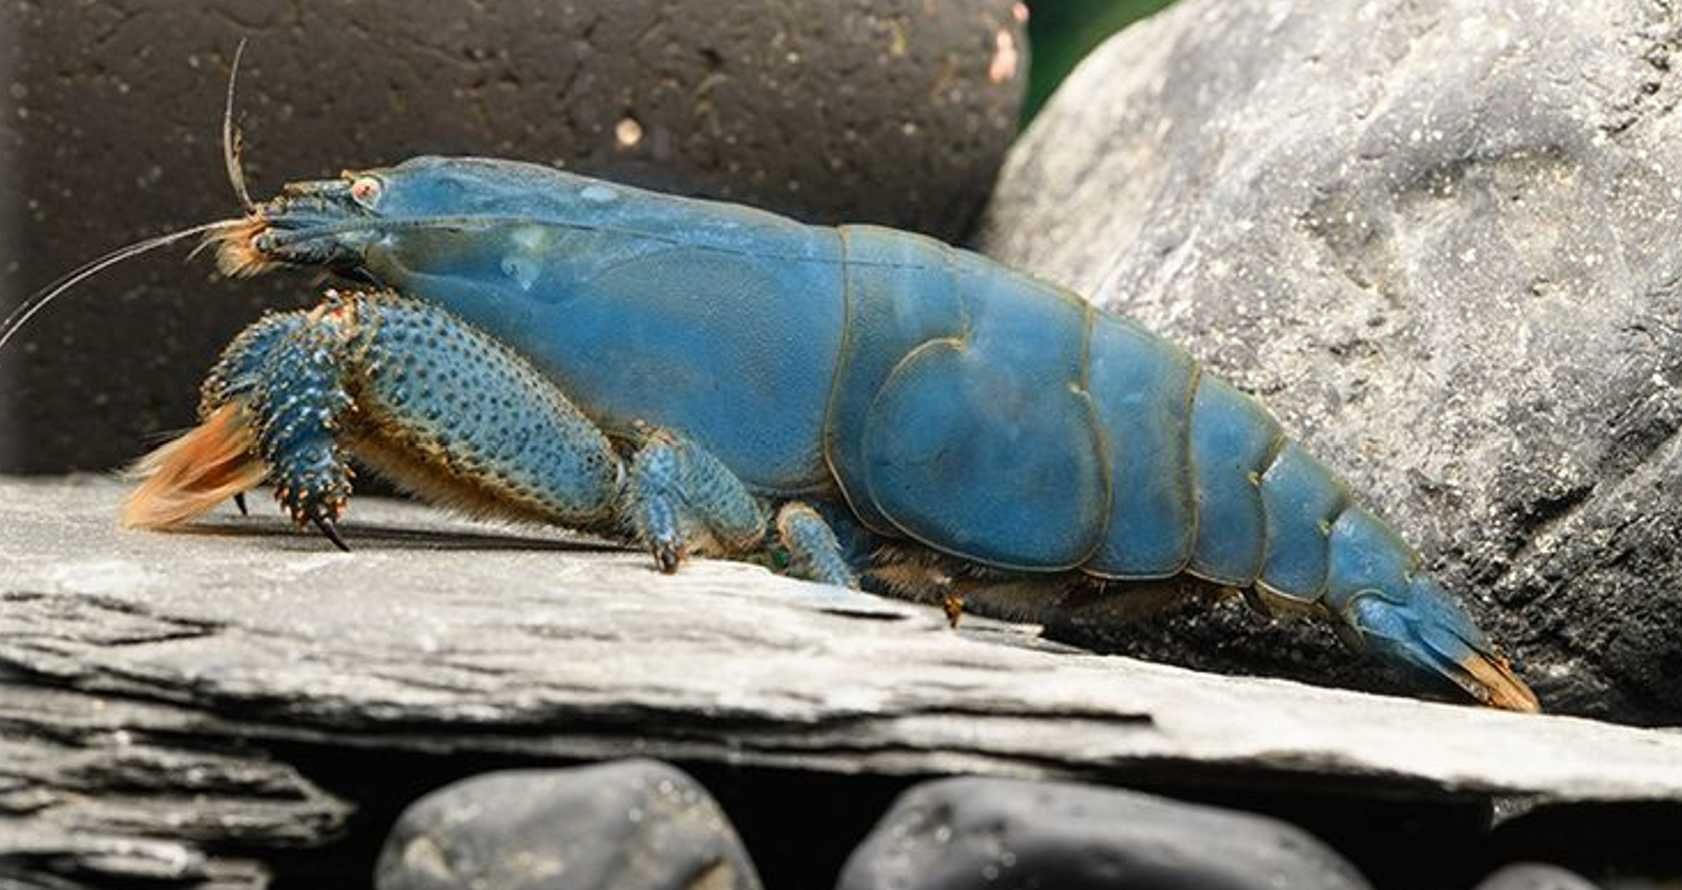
(220, 694)
(1534, 876)
(1439, 239)
(892, 111)
(627, 825)
(971, 833)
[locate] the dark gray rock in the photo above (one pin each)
(1003, 834)
(626, 825)
(891, 111)
(1534, 876)
(1439, 240)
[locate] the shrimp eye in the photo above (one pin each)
(366, 190)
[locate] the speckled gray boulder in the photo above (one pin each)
(1004, 834)
(1534, 876)
(889, 111)
(1441, 241)
(626, 825)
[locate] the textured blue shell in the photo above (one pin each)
(949, 399)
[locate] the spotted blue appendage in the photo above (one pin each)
(286, 373)
(458, 417)
(813, 548)
(683, 498)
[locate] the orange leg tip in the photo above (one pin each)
(953, 604)
(1501, 687)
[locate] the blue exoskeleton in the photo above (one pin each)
(688, 375)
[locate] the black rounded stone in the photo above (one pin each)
(1002, 834)
(627, 825)
(889, 111)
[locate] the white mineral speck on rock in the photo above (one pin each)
(422, 855)
(106, 576)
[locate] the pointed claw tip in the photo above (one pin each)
(332, 532)
(667, 558)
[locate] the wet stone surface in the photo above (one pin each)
(626, 825)
(1438, 240)
(887, 111)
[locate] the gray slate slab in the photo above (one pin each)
(162, 664)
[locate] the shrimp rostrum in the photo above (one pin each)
(860, 405)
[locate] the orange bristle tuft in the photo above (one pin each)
(188, 476)
(235, 255)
